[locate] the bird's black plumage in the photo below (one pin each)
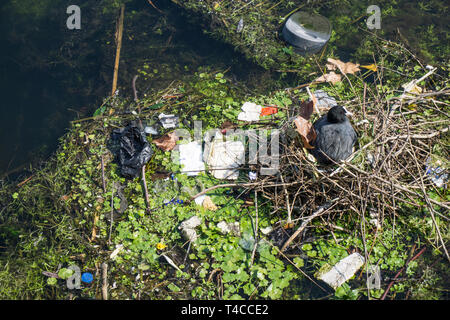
(335, 136)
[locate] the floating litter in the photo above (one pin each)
(437, 172)
(307, 32)
(343, 270)
(87, 277)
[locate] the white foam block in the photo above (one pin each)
(343, 270)
(191, 158)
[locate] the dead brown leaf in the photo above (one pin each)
(329, 77)
(167, 142)
(344, 67)
(331, 66)
(306, 130)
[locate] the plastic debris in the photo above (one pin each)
(173, 201)
(168, 121)
(266, 230)
(437, 172)
(199, 200)
(371, 159)
(227, 227)
(87, 277)
(372, 67)
(411, 89)
(123, 205)
(247, 242)
(324, 100)
(250, 112)
(252, 175)
(364, 121)
(266, 111)
(194, 190)
(191, 158)
(189, 234)
(303, 126)
(161, 185)
(188, 226)
(307, 132)
(191, 223)
(306, 32)
(223, 157)
(150, 130)
(170, 261)
(343, 270)
(134, 152)
(116, 251)
(374, 218)
(240, 25)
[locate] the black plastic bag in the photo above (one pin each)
(134, 152)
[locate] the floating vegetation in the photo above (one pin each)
(259, 236)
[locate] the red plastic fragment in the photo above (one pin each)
(268, 111)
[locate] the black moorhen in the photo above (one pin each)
(335, 136)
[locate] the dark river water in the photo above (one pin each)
(50, 75)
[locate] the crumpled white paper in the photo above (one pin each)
(250, 112)
(188, 226)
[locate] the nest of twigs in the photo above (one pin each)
(385, 176)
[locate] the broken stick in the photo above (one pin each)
(105, 280)
(319, 212)
(119, 34)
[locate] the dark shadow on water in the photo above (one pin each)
(39, 97)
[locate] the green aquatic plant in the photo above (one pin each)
(63, 216)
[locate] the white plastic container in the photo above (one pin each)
(307, 32)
